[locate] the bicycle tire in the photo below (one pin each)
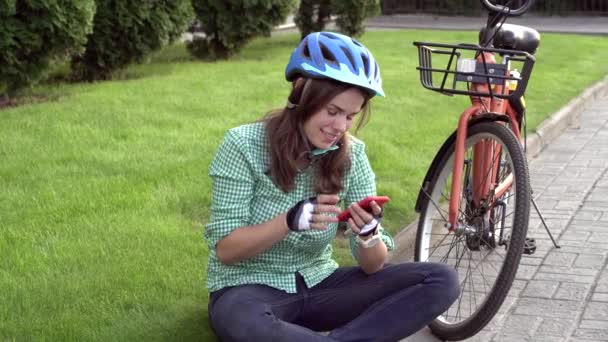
(515, 163)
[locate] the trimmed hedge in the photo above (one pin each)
(34, 33)
(351, 14)
(125, 32)
(312, 15)
(229, 25)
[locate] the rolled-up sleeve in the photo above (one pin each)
(233, 184)
(362, 183)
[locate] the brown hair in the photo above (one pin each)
(288, 143)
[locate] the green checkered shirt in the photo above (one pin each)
(243, 195)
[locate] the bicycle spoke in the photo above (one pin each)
(443, 245)
(461, 284)
(485, 280)
(497, 271)
(452, 244)
(455, 242)
(460, 211)
(459, 259)
(445, 237)
(435, 234)
(506, 198)
(473, 290)
(473, 249)
(434, 204)
(491, 167)
(509, 214)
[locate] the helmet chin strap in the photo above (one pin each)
(321, 151)
(315, 153)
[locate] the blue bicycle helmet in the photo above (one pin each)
(335, 56)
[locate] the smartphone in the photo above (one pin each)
(365, 204)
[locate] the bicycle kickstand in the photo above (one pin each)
(542, 219)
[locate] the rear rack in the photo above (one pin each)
(461, 69)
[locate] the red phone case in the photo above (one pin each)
(365, 204)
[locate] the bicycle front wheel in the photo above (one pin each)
(486, 246)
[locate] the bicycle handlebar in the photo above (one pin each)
(506, 10)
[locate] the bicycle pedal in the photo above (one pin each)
(529, 246)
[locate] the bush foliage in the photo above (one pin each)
(33, 33)
(229, 25)
(350, 14)
(313, 15)
(125, 32)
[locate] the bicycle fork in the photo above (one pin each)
(485, 154)
(458, 167)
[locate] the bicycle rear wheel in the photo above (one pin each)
(486, 246)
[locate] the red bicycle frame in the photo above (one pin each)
(485, 154)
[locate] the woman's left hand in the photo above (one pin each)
(363, 222)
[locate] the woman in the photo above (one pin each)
(276, 187)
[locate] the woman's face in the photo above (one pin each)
(324, 128)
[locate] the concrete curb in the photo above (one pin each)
(546, 132)
(290, 25)
(553, 126)
(284, 27)
(405, 243)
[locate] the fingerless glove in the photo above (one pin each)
(371, 226)
(300, 215)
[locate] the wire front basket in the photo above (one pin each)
(461, 69)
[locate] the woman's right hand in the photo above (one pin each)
(312, 213)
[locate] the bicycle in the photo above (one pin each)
(474, 202)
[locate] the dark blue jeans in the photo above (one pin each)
(389, 305)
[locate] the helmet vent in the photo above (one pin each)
(365, 64)
(334, 56)
(330, 36)
(349, 56)
(305, 51)
(328, 55)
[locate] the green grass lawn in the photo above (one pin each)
(104, 189)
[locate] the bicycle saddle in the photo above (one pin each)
(516, 37)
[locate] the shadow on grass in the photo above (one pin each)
(161, 63)
(27, 99)
(174, 53)
(190, 323)
(262, 48)
(193, 327)
(194, 210)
